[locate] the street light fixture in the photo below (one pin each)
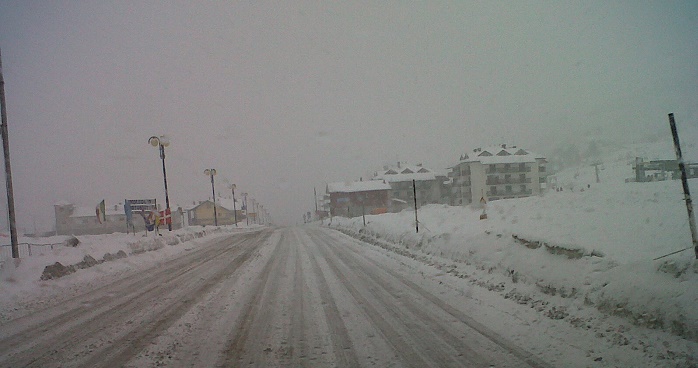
(212, 173)
(162, 142)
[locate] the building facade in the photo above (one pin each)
(356, 198)
(73, 220)
(430, 185)
(498, 172)
(202, 214)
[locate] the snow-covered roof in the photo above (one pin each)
(501, 155)
(225, 202)
(357, 186)
(407, 173)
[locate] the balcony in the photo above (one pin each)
(512, 169)
(498, 193)
(495, 180)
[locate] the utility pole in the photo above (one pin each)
(596, 168)
(684, 182)
(235, 211)
(8, 171)
(315, 197)
(363, 209)
(414, 190)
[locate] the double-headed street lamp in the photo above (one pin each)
(212, 173)
(162, 142)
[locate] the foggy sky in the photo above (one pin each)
(281, 97)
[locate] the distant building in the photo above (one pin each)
(72, 220)
(498, 172)
(323, 206)
(657, 170)
(355, 198)
(202, 213)
(431, 185)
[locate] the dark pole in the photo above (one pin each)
(363, 209)
(215, 212)
(315, 197)
(167, 197)
(235, 211)
(684, 182)
(8, 171)
(414, 189)
(247, 211)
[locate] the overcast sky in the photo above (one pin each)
(284, 96)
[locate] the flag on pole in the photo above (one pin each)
(128, 211)
(100, 211)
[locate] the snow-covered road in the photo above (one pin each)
(283, 297)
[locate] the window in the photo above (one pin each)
(508, 188)
(493, 190)
(523, 189)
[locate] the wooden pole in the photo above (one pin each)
(684, 182)
(414, 190)
(8, 171)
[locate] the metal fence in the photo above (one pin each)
(25, 250)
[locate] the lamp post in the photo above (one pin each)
(247, 211)
(235, 211)
(162, 142)
(212, 173)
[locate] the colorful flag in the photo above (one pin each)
(166, 217)
(100, 211)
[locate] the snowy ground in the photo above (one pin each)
(21, 286)
(582, 254)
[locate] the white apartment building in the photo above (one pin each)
(498, 172)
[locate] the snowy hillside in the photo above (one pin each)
(591, 244)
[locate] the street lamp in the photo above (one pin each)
(212, 173)
(247, 211)
(235, 211)
(162, 142)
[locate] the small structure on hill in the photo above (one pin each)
(658, 170)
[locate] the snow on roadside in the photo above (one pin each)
(21, 286)
(592, 244)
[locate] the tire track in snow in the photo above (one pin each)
(99, 312)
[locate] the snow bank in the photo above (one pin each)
(21, 280)
(592, 244)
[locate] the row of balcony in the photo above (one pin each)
(496, 193)
(494, 180)
(512, 169)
